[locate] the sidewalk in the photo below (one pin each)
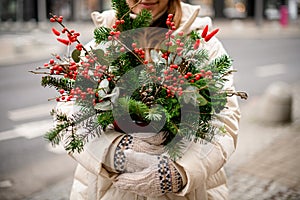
(31, 42)
(266, 164)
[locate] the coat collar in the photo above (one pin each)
(190, 18)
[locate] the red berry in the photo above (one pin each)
(64, 41)
(209, 36)
(204, 32)
(55, 31)
(122, 49)
(133, 45)
(64, 30)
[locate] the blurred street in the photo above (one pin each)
(266, 164)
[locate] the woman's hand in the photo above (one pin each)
(157, 177)
(149, 143)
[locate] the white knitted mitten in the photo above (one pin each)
(145, 143)
(157, 179)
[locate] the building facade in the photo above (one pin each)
(37, 10)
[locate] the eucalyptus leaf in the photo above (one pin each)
(103, 88)
(116, 93)
(99, 53)
(100, 56)
(104, 83)
(104, 105)
(189, 94)
(155, 56)
(201, 100)
(76, 55)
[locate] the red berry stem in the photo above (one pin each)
(72, 37)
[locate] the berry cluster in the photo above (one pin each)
(71, 34)
(117, 23)
(172, 79)
(170, 23)
(206, 36)
(175, 76)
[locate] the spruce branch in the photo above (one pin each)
(101, 34)
(175, 147)
(58, 83)
(143, 19)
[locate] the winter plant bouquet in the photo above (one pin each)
(138, 79)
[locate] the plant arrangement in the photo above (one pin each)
(169, 86)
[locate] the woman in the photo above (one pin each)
(115, 166)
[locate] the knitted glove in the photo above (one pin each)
(150, 143)
(160, 177)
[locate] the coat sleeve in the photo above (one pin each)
(95, 156)
(201, 160)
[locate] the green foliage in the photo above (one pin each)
(101, 34)
(74, 143)
(105, 118)
(220, 65)
(143, 19)
(175, 147)
(57, 82)
(144, 87)
(122, 12)
(76, 55)
(134, 107)
(194, 35)
(125, 63)
(54, 135)
(64, 127)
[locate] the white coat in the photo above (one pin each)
(202, 163)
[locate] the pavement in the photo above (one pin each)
(266, 164)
